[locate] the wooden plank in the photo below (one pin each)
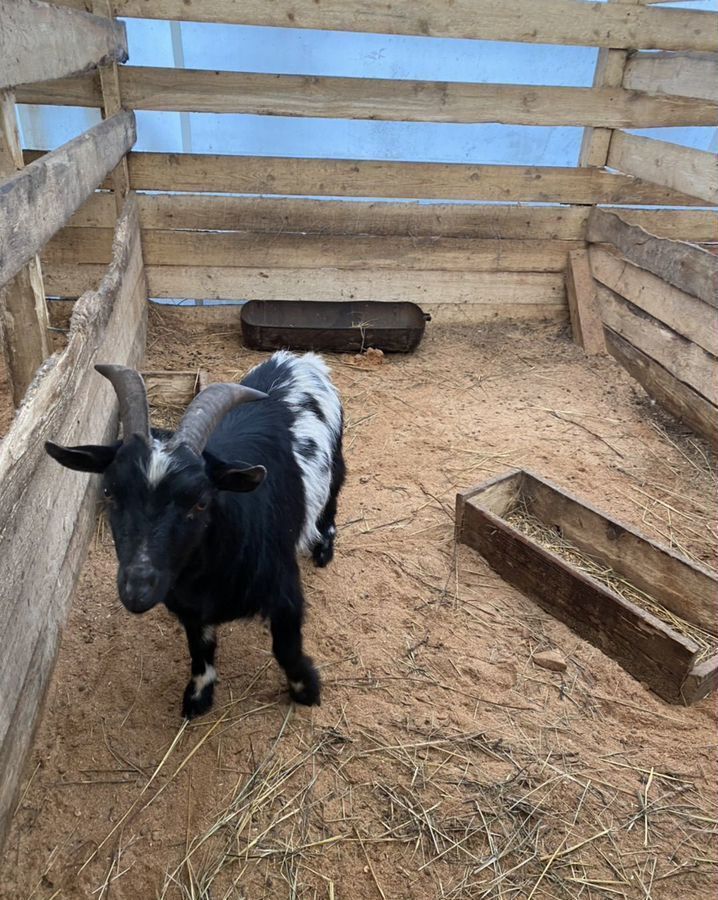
(40, 199)
(481, 221)
(692, 172)
(583, 305)
(40, 41)
(642, 644)
(173, 388)
(23, 311)
(279, 176)
(528, 295)
(702, 681)
(686, 266)
(550, 22)
(687, 74)
(190, 90)
(687, 405)
(684, 359)
(311, 251)
(681, 312)
(47, 520)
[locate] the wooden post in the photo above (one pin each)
(23, 310)
(111, 104)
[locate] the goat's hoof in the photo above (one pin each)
(197, 704)
(323, 553)
(307, 691)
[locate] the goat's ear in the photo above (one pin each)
(83, 459)
(237, 477)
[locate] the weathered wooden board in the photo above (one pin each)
(675, 396)
(682, 169)
(47, 515)
(583, 309)
(685, 266)
(200, 90)
(549, 22)
(684, 359)
(683, 313)
(687, 74)
(640, 642)
(173, 388)
(251, 249)
(40, 199)
(41, 41)
(481, 221)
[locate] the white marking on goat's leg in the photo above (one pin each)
(297, 685)
(209, 676)
(209, 634)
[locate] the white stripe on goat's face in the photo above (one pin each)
(317, 425)
(159, 464)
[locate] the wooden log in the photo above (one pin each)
(686, 266)
(550, 22)
(39, 200)
(691, 172)
(41, 41)
(270, 215)
(244, 249)
(47, 517)
(23, 311)
(189, 90)
(279, 176)
(687, 74)
(681, 312)
(678, 398)
(684, 359)
(583, 309)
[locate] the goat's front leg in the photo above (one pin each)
(199, 693)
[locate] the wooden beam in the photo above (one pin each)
(23, 311)
(686, 74)
(691, 172)
(683, 313)
(41, 41)
(684, 359)
(678, 398)
(478, 220)
(550, 22)
(47, 518)
(582, 304)
(39, 200)
(311, 251)
(686, 266)
(188, 90)
(279, 176)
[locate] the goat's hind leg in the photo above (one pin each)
(323, 552)
(286, 624)
(199, 693)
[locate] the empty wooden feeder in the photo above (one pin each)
(344, 326)
(651, 610)
(174, 389)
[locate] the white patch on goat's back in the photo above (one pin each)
(308, 376)
(209, 676)
(159, 464)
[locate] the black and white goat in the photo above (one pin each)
(209, 519)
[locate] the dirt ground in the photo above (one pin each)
(443, 762)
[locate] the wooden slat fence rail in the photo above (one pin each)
(688, 74)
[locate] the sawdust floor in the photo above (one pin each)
(443, 762)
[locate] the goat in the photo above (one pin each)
(210, 519)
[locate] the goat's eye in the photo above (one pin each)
(107, 493)
(199, 507)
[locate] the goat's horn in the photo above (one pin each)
(132, 395)
(206, 411)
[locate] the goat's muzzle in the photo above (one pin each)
(141, 587)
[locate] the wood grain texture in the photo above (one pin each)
(583, 309)
(41, 41)
(702, 681)
(683, 169)
(482, 221)
(47, 517)
(191, 90)
(687, 74)
(549, 22)
(39, 200)
(685, 266)
(678, 398)
(681, 312)
(684, 359)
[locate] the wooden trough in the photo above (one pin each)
(670, 663)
